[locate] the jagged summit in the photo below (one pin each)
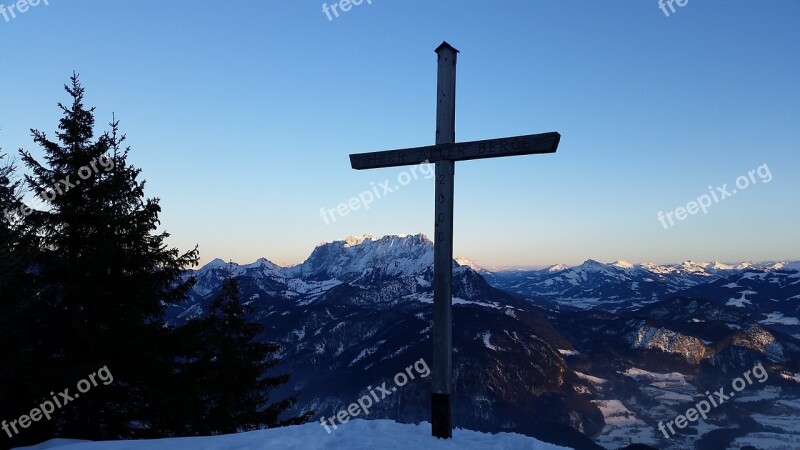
(352, 241)
(351, 257)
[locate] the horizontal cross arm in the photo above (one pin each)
(531, 144)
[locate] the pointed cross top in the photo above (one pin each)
(446, 46)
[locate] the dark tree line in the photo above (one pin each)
(84, 284)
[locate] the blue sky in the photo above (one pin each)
(242, 114)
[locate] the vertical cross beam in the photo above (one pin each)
(441, 412)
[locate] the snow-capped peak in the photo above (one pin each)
(352, 241)
(356, 255)
(592, 262)
(217, 264)
(593, 265)
(693, 267)
(264, 265)
(716, 265)
(469, 263)
(785, 265)
(622, 264)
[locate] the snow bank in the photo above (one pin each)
(354, 435)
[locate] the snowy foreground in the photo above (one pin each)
(354, 435)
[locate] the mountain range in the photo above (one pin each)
(590, 356)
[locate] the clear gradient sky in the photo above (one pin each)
(242, 114)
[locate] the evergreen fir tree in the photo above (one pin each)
(104, 274)
(10, 202)
(23, 320)
(234, 363)
(91, 292)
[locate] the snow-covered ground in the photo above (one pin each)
(623, 426)
(778, 318)
(593, 379)
(354, 435)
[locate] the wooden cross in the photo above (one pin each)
(445, 153)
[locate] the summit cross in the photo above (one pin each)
(445, 153)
